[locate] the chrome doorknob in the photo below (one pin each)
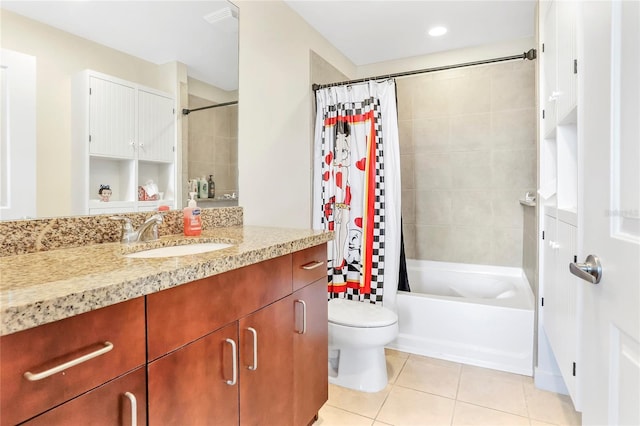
(590, 270)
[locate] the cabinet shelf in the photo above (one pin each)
(123, 136)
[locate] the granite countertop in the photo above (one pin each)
(43, 287)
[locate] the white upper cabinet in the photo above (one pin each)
(112, 119)
(124, 136)
(156, 127)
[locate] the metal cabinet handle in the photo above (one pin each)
(50, 372)
(590, 270)
(234, 354)
(253, 331)
(304, 317)
(134, 408)
(312, 265)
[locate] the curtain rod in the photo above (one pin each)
(530, 55)
(186, 111)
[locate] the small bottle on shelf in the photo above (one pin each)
(212, 187)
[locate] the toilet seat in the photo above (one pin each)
(352, 313)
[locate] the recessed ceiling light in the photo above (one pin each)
(437, 31)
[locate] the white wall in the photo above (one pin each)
(275, 149)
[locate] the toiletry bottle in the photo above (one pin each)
(204, 188)
(191, 217)
(212, 187)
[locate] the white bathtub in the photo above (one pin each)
(473, 314)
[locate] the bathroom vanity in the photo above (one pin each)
(235, 336)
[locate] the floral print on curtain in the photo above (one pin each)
(353, 198)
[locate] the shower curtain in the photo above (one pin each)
(357, 187)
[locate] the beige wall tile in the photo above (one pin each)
(433, 171)
(514, 129)
(471, 208)
(408, 206)
(433, 208)
(470, 132)
(431, 134)
(513, 168)
(473, 135)
(506, 247)
(405, 136)
(407, 167)
(431, 98)
(471, 244)
(470, 95)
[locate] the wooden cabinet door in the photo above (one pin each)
(190, 386)
(310, 352)
(110, 340)
(120, 402)
(266, 359)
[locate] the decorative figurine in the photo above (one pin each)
(104, 192)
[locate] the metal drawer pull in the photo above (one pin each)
(312, 265)
(234, 364)
(134, 408)
(39, 376)
(253, 331)
(304, 316)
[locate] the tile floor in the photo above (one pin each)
(428, 391)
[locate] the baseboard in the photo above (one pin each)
(550, 382)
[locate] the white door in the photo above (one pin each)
(610, 211)
(17, 135)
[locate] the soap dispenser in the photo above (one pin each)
(191, 217)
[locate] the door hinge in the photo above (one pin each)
(575, 258)
(575, 66)
(543, 114)
(542, 301)
(89, 138)
(574, 369)
(543, 235)
(173, 148)
(543, 47)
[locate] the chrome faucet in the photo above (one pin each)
(148, 231)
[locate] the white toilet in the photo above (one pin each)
(358, 332)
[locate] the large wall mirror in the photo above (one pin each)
(187, 49)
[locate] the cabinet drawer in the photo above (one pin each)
(111, 404)
(182, 314)
(307, 267)
(112, 339)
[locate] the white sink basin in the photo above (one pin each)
(178, 250)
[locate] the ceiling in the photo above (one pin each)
(157, 31)
(375, 31)
(164, 31)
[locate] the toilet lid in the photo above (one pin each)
(360, 314)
